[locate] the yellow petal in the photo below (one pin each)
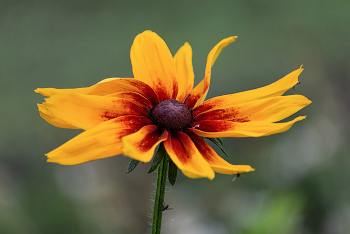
(57, 122)
(86, 111)
(153, 64)
(268, 109)
(106, 87)
(221, 128)
(216, 162)
(184, 68)
(275, 89)
(199, 93)
(186, 157)
(102, 141)
(141, 145)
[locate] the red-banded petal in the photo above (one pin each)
(184, 68)
(153, 64)
(141, 145)
(102, 141)
(186, 156)
(86, 111)
(277, 88)
(268, 109)
(199, 93)
(107, 86)
(221, 128)
(216, 162)
(135, 98)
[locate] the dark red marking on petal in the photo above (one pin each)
(214, 125)
(146, 91)
(187, 100)
(127, 131)
(191, 100)
(126, 125)
(175, 87)
(241, 120)
(230, 114)
(132, 120)
(127, 106)
(179, 149)
(130, 123)
(135, 98)
(123, 107)
(207, 105)
(107, 115)
(161, 92)
(149, 141)
(204, 149)
(128, 84)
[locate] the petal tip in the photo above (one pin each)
(147, 32)
(49, 156)
(211, 176)
(300, 69)
(229, 40)
(248, 168)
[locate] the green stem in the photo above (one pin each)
(160, 194)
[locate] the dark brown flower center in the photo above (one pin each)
(171, 115)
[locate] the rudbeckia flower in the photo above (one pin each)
(132, 116)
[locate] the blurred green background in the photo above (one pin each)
(301, 182)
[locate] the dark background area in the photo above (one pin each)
(301, 182)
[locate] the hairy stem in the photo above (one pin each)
(160, 194)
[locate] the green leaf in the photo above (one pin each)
(157, 158)
(133, 163)
(218, 142)
(172, 172)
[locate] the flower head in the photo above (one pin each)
(132, 116)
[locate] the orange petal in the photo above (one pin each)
(141, 145)
(268, 109)
(107, 86)
(199, 93)
(221, 128)
(184, 68)
(216, 162)
(102, 141)
(153, 64)
(186, 156)
(86, 111)
(277, 88)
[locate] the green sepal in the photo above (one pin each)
(133, 163)
(172, 172)
(157, 158)
(218, 142)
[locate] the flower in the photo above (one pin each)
(132, 116)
